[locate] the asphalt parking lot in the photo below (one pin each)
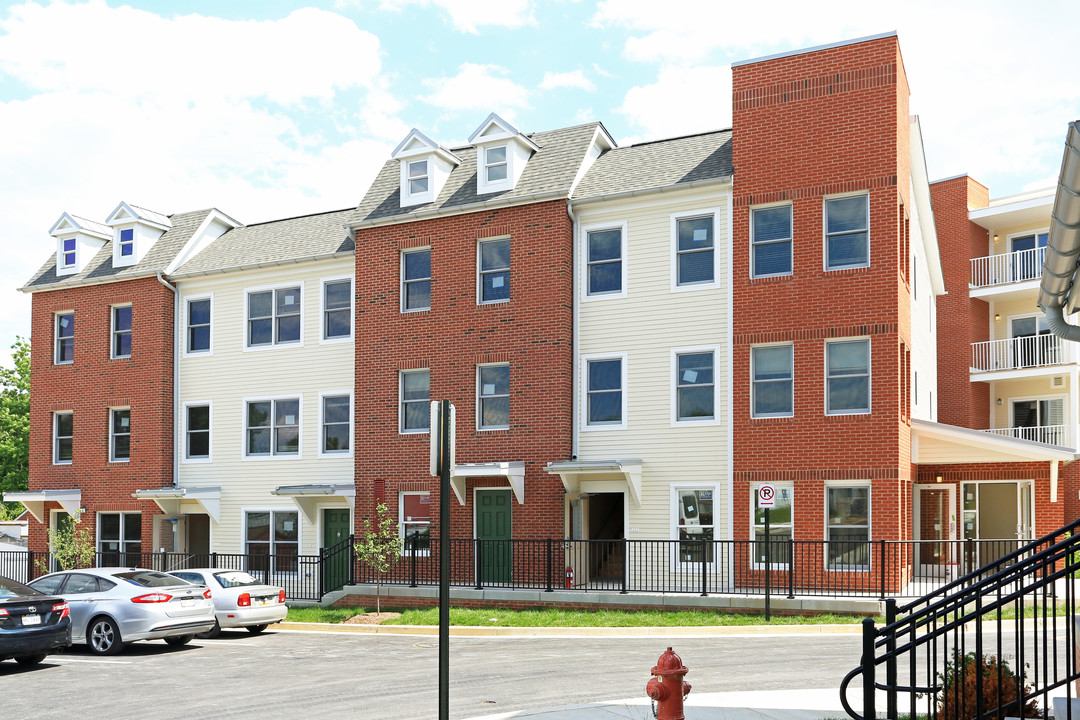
(292, 674)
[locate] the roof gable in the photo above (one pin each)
(417, 143)
(494, 129)
(68, 224)
(125, 213)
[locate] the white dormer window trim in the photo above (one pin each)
(425, 166)
(418, 177)
(127, 242)
(496, 163)
(501, 155)
(77, 240)
(134, 231)
(69, 253)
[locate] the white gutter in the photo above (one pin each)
(175, 380)
(65, 285)
(263, 265)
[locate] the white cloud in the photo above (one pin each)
(478, 87)
(573, 79)
(470, 15)
(584, 115)
(682, 100)
(261, 119)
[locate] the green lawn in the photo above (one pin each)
(571, 618)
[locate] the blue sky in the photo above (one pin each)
(269, 109)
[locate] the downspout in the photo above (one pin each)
(176, 377)
(574, 332)
(1063, 245)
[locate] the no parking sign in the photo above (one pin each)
(766, 495)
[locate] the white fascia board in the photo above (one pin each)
(513, 471)
(921, 191)
(201, 238)
(133, 217)
(78, 225)
(508, 132)
(601, 142)
(34, 501)
(430, 146)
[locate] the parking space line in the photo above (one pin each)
(66, 660)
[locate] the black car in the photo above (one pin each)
(32, 624)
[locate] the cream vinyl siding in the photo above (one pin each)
(647, 324)
(923, 328)
(230, 375)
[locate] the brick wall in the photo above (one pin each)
(532, 331)
(961, 320)
(806, 127)
(93, 384)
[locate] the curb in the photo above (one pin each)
(614, 632)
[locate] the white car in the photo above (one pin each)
(240, 600)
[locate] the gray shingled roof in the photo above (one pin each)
(100, 268)
(551, 169)
(664, 163)
(273, 242)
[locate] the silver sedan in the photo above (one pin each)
(240, 600)
(113, 606)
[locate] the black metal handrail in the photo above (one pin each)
(986, 645)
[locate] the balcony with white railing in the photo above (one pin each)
(1020, 353)
(1008, 268)
(1059, 435)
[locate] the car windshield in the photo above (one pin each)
(149, 578)
(10, 588)
(235, 578)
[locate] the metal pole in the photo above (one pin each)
(444, 559)
(890, 664)
(550, 542)
(768, 567)
(869, 634)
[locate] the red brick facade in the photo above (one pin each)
(93, 384)
(806, 127)
(532, 331)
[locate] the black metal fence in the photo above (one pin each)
(872, 569)
(997, 642)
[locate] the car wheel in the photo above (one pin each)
(211, 633)
(31, 659)
(103, 637)
(178, 640)
(256, 629)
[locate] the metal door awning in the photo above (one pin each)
(308, 497)
(185, 500)
(34, 501)
(513, 471)
(599, 476)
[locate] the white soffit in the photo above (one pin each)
(582, 475)
(185, 500)
(308, 497)
(34, 501)
(513, 471)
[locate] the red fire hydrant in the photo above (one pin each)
(667, 688)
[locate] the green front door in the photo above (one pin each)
(493, 535)
(336, 532)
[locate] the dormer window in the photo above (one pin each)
(495, 165)
(418, 177)
(77, 241)
(135, 230)
(127, 242)
(69, 253)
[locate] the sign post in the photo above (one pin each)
(767, 501)
(442, 430)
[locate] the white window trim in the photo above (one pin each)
(401, 279)
(480, 427)
(790, 240)
(122, 260)
(304, 300)
(401, 401)
(483, 186)
(1022, 316)
(869, 524)
(674, 564)
(869, 374)
(272, 399)
(755, 415)
(673, 257)
(584, 294)
(245, 509)
(112, 435)
(1024, 233)
(323, 282)
(673, 386)
(352, 435)
(409, 198)
(584, 385)
(480, 272)
(62, 267)
(405, 553)
(1038, 398)
(113, 331)
(753, 526)
(184, 352)
(56, 439)
(97, 527)
(56, 337)
(825, 231)
(184, 459)
(507, 155)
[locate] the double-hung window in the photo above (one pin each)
(197, 432)
(695, 386)
(198, 325)
(495, 163)
(121, 331)
(696, 524)
(772, 391)
(120, 539)
(65, 338)
(605, 395)
(416, 280)
(848, 509)
(418, 177)
(337, 309)
(63, 432)
(120, 434)
(694, 246)
(847, 232)
(273, 427)
(414, 522)
(274, 317)
(272, 540)
(415, 396)
(780, 523)
(847, 372)
(604, 261)
(127, 242)
(771, 241)
(493, 396)
(494, 270)
(336, 416)
(69, 252)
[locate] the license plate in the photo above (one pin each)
(187, 602)
(264, 602)
(31, 620)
